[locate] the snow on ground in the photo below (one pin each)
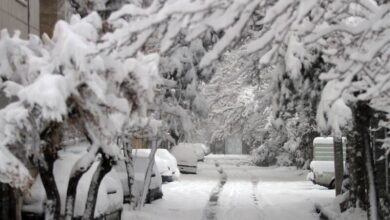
(183, 199)
(281, 200)
(250, 192)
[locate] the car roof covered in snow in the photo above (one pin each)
(325, 140)
(184, 151)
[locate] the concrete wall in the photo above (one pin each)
(13, 16)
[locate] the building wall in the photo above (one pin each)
(13, 16)
(139, 143)
(48, 16)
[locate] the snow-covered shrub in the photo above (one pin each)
(273, 141)
(264, 156)
(283, 144)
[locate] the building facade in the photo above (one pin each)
(20, 15)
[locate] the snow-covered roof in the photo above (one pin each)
(325, 140)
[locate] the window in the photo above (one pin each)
(23, 2)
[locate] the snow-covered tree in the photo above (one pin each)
(237, 103)
(67, 80)
(353, 39)
(352, 36)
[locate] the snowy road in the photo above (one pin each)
(247, 192)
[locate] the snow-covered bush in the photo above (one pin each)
(264, 155)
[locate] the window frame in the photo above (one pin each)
(22, 2)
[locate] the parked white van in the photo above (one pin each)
(322, 166)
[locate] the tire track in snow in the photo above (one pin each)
(238, 200)
(254, 182)
(254, 188)
(211, 207)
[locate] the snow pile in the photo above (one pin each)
(332, 212)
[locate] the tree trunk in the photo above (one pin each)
(306, 146)
(373, 204)
(127, 149)
(51, 136)
(79, 122)
(74, 180)
(18, 204)
(53, 202)
(7, 202)
(148, 177)
(103, 168)
(379, 161)
(361, 113)
(351, 161)
(71, 195)
(338, 162)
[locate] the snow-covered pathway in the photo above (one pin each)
(249, 193)
(211, 209)
(268, 193)
(184, 199)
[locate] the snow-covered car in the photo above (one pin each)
(322, 166)
(197, 148)
(141, 161)
(165, 162)
(165, 171)
(170, 160)
(110, 195)
(187, 159)
(206, 149)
